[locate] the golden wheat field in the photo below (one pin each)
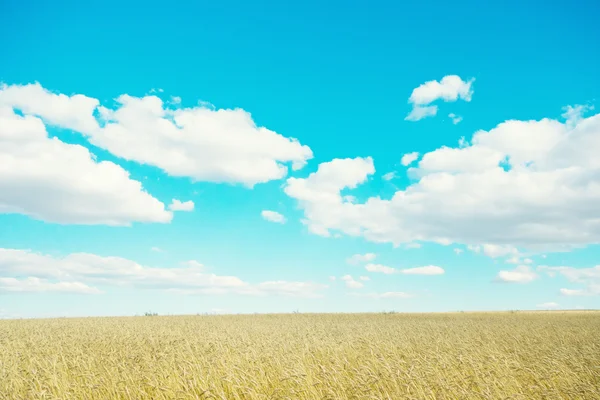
(523, 355)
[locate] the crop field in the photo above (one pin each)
(521, 355)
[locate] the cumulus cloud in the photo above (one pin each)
(351, 283)
(389, 176)
(455, 118)
(550, 305)
(194, 264)
(495, 251)
(78, 270)
(361, 258)
(202, 143)
(384, 269)
(384, 295)
(419, 112)
(273, 216)
(53, 181)
(588, 278)
(449, 89)
(74, 112)
(409, 158)
(178, 205)
(521, 274)
(35, 285)
(527, 185)
(426, 270)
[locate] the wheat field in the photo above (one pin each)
(522, 355)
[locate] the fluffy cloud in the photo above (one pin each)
(588, 277)
(450, 88)
(71, 112)
(384, 269)
(532, 185)
(549, 305)
(495, 251)
(455, 118)
(427, 270)
(420, 112)
(194, 264)
(201, 143)
(384, 295)
(273, 216)
(76, 271)
(351, 283)
(521, 274)
(52, 181)
(361, 258)
(177, 205)
(32, 285)
(389, 176)
(409, 158)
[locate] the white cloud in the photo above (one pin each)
(364, 278)
(201, 143)
(351, 283)
(384, 295)
(458, 251)
(35, 285)
(449, 89)
(575, 292)
(389, 176)
(198, 266)
(361, 258)
(414, 246)
(521, 274)
(156, 249)
(588, 277)
(455, 118)
(549, 305)
(273, 216)
(177, 205)
(426, 270)
(384, 269)
(495, 251)
(332, 278)
(574, 114)
(409, 158)
(545, 198)
(91, 269)
(420, 112)
(71, 112)
(290, 289)
(52, 181)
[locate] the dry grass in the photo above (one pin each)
(542, 355)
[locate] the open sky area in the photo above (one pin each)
(272, 156)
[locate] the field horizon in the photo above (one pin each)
(468, 355)
(356, 313)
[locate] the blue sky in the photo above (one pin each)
(232, 106)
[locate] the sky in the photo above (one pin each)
(258, 157)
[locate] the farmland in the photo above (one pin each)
(521, 355)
